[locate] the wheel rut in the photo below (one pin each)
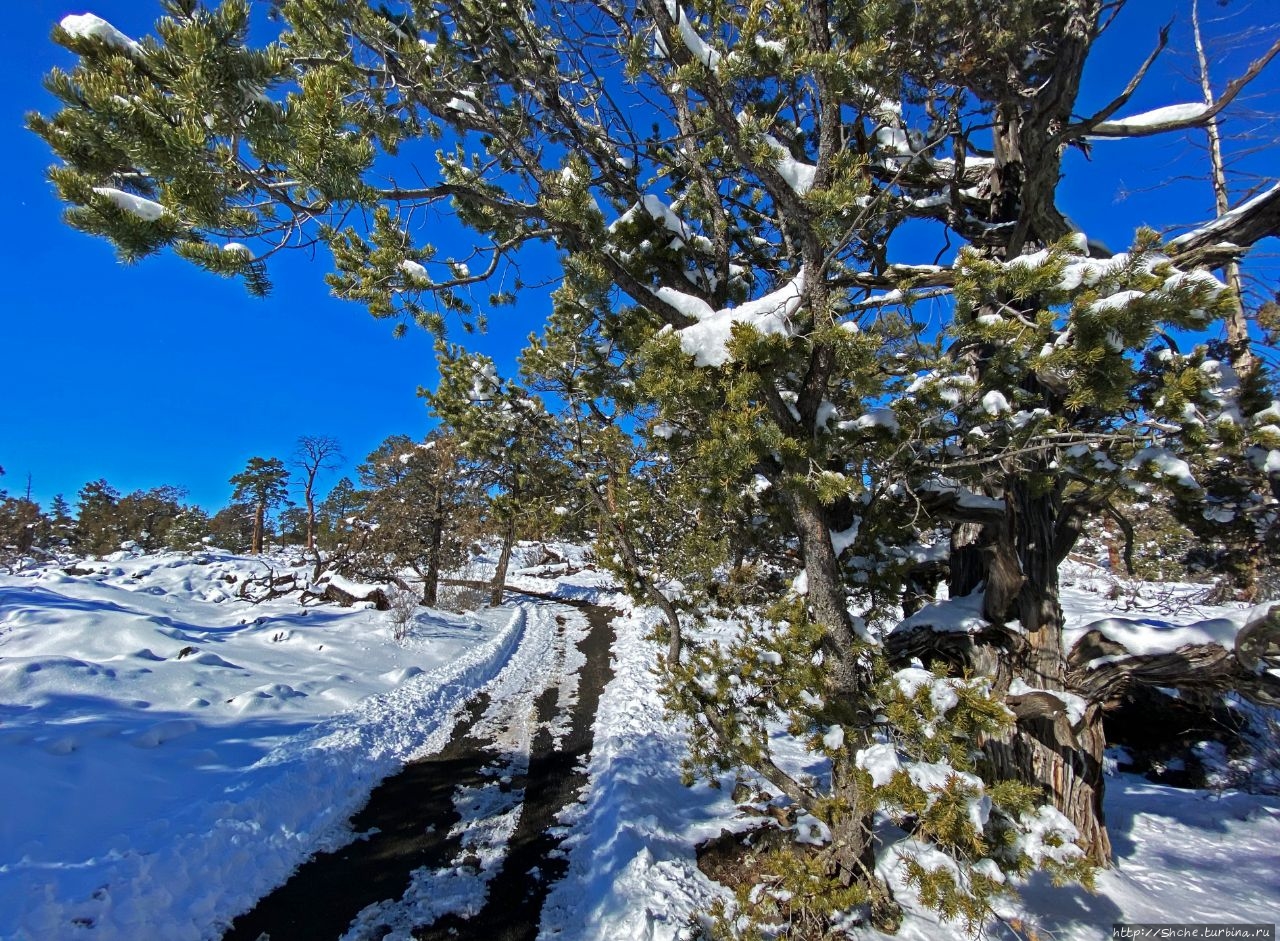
(412, 824)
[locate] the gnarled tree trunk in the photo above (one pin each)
(1016, 561)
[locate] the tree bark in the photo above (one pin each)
(852, 849)
(311, 519)
(259, 523)
(504, 559)
(825, 589)
(1019, 568)
(431, 578)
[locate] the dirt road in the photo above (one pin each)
(457, 845)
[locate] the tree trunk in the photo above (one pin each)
(431, 578)
(1238, 342)
(311, 519)
(825, 588)
(1019, 572)
(852, 849)
(504, 559)
(259, 523)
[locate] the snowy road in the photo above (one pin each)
(457, 844)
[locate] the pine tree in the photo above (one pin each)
(61, 527)
(502, 433)
(233, 527)
(189, 530)
(419, 510)
(145, 516)
(726, 185)
(98, 529)
(336, 509)
(264, 485)
(21, 523)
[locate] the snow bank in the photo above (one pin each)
(211, 737)
(632, 871)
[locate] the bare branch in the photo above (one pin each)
(1125, 129)
(1086, 126)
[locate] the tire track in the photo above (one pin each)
(512, 753)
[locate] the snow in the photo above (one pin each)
(214, 772)
(874, 418)
(145, 209)
(632, 871)
(236, 248)
(353, 588)
(1169, 114)
(89, 26)
(1118, 301)
(1164, 463)
(695, 308)
(654, 207)
(960, 615)
(995, 404)
(834, 738)
(879, 761)
(415, 271)
(689, 36)
(707, 341)
(1156, 636)
(200, 805)
(1041, 824)
(842, 540)
(799, 175)
(1228, 219)
(964, 497)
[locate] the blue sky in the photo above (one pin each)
(161, 374)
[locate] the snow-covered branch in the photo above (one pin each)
(1174, 117)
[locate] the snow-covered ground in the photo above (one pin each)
(152, 795)
(1181, 855)
(168, 753)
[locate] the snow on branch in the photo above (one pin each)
(707, 340)
(145, 209)
(1240, 228)
(1152, 122)
(1174, 117)
(88, 26)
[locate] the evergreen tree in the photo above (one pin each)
(264, 485)
(189, 529)
(503, 434)
(98, 530)
(419, 510)
(726, 185)
(293, 527)
(145, 516)
(234, 527)
(21, 523)
(339, 506)
(61, 529)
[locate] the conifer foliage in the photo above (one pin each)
(262, 486)
(418, 511)
(740, 380)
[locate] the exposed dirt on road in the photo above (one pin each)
(406, 825)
